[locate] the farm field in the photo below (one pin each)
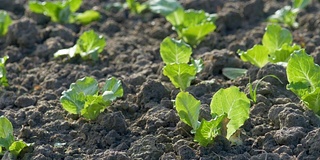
(144, 123)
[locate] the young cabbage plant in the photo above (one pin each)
(136, 7)
(229, 110)
(3, 71)
(288, 14)
(163, 7)
(192, 26)
(303, 77)
(5, 22)
(88, 46)
(276, 47)
(7, 139)
(64, 11)
(84, 97)
(176, 54)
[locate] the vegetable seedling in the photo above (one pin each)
(276, 47)
(3, 71)
(303, 77)
(191, 25)
(176, 55)
(83, 96)
(7, 139)
(88, 46)
(136, 7)
(288, 14)
(229, 110)
(64, 11)
(5, 22)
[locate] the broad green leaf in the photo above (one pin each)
(164, 7)
(36, 7)
(303, 77)
(16, 147)
(87, 17)
(90, 45)
(208, 130)
(74, 5)
(188, 109)
(283, 54)
(198, 63)
(112, 89)
(175, 51)
(301, 3)
(258, 55)
(312, 100)
(235, 104)
(233, 73)
(303, 73)
(180, 75)
(3, 71)
(193, 35)
(176, 18)
(194, 17)
(5, 22)
(64, 15)
(73, 100)
(94, 105)
(275, 37)
(6, 132)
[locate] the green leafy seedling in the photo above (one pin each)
(288, 14)
(253, 91)
(64, 11)
(136, 7)
(83, 96)
(191, 25)
(276, 47)
(7, 139)
(176, 54)
(5, 22)
(3, 71)
(233, 73)
(88, 46)
(303, 77)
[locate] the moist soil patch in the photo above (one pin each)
(143, 124)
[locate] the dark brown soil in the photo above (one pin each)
(143, 124)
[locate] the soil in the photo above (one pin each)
(143, 123)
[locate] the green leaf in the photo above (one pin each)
(3, 71)
(74, 5)
(112, 89)
(5, 22)
(180, 75)
(301, 3)
(73, 100)
(164, 7)
(258, 55)
(90, 44)
(275, 37)
(283, 54)
(175, 51)
(188, 109)
(198, 64)
(94, 105)
(235, 104)
(208, 130)
(16, 147)
(176, 18)
(136, 7)
(303, 77)
(233, 73)
(6, 133)
(193, 35)
(286, 16)
(87, 17)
